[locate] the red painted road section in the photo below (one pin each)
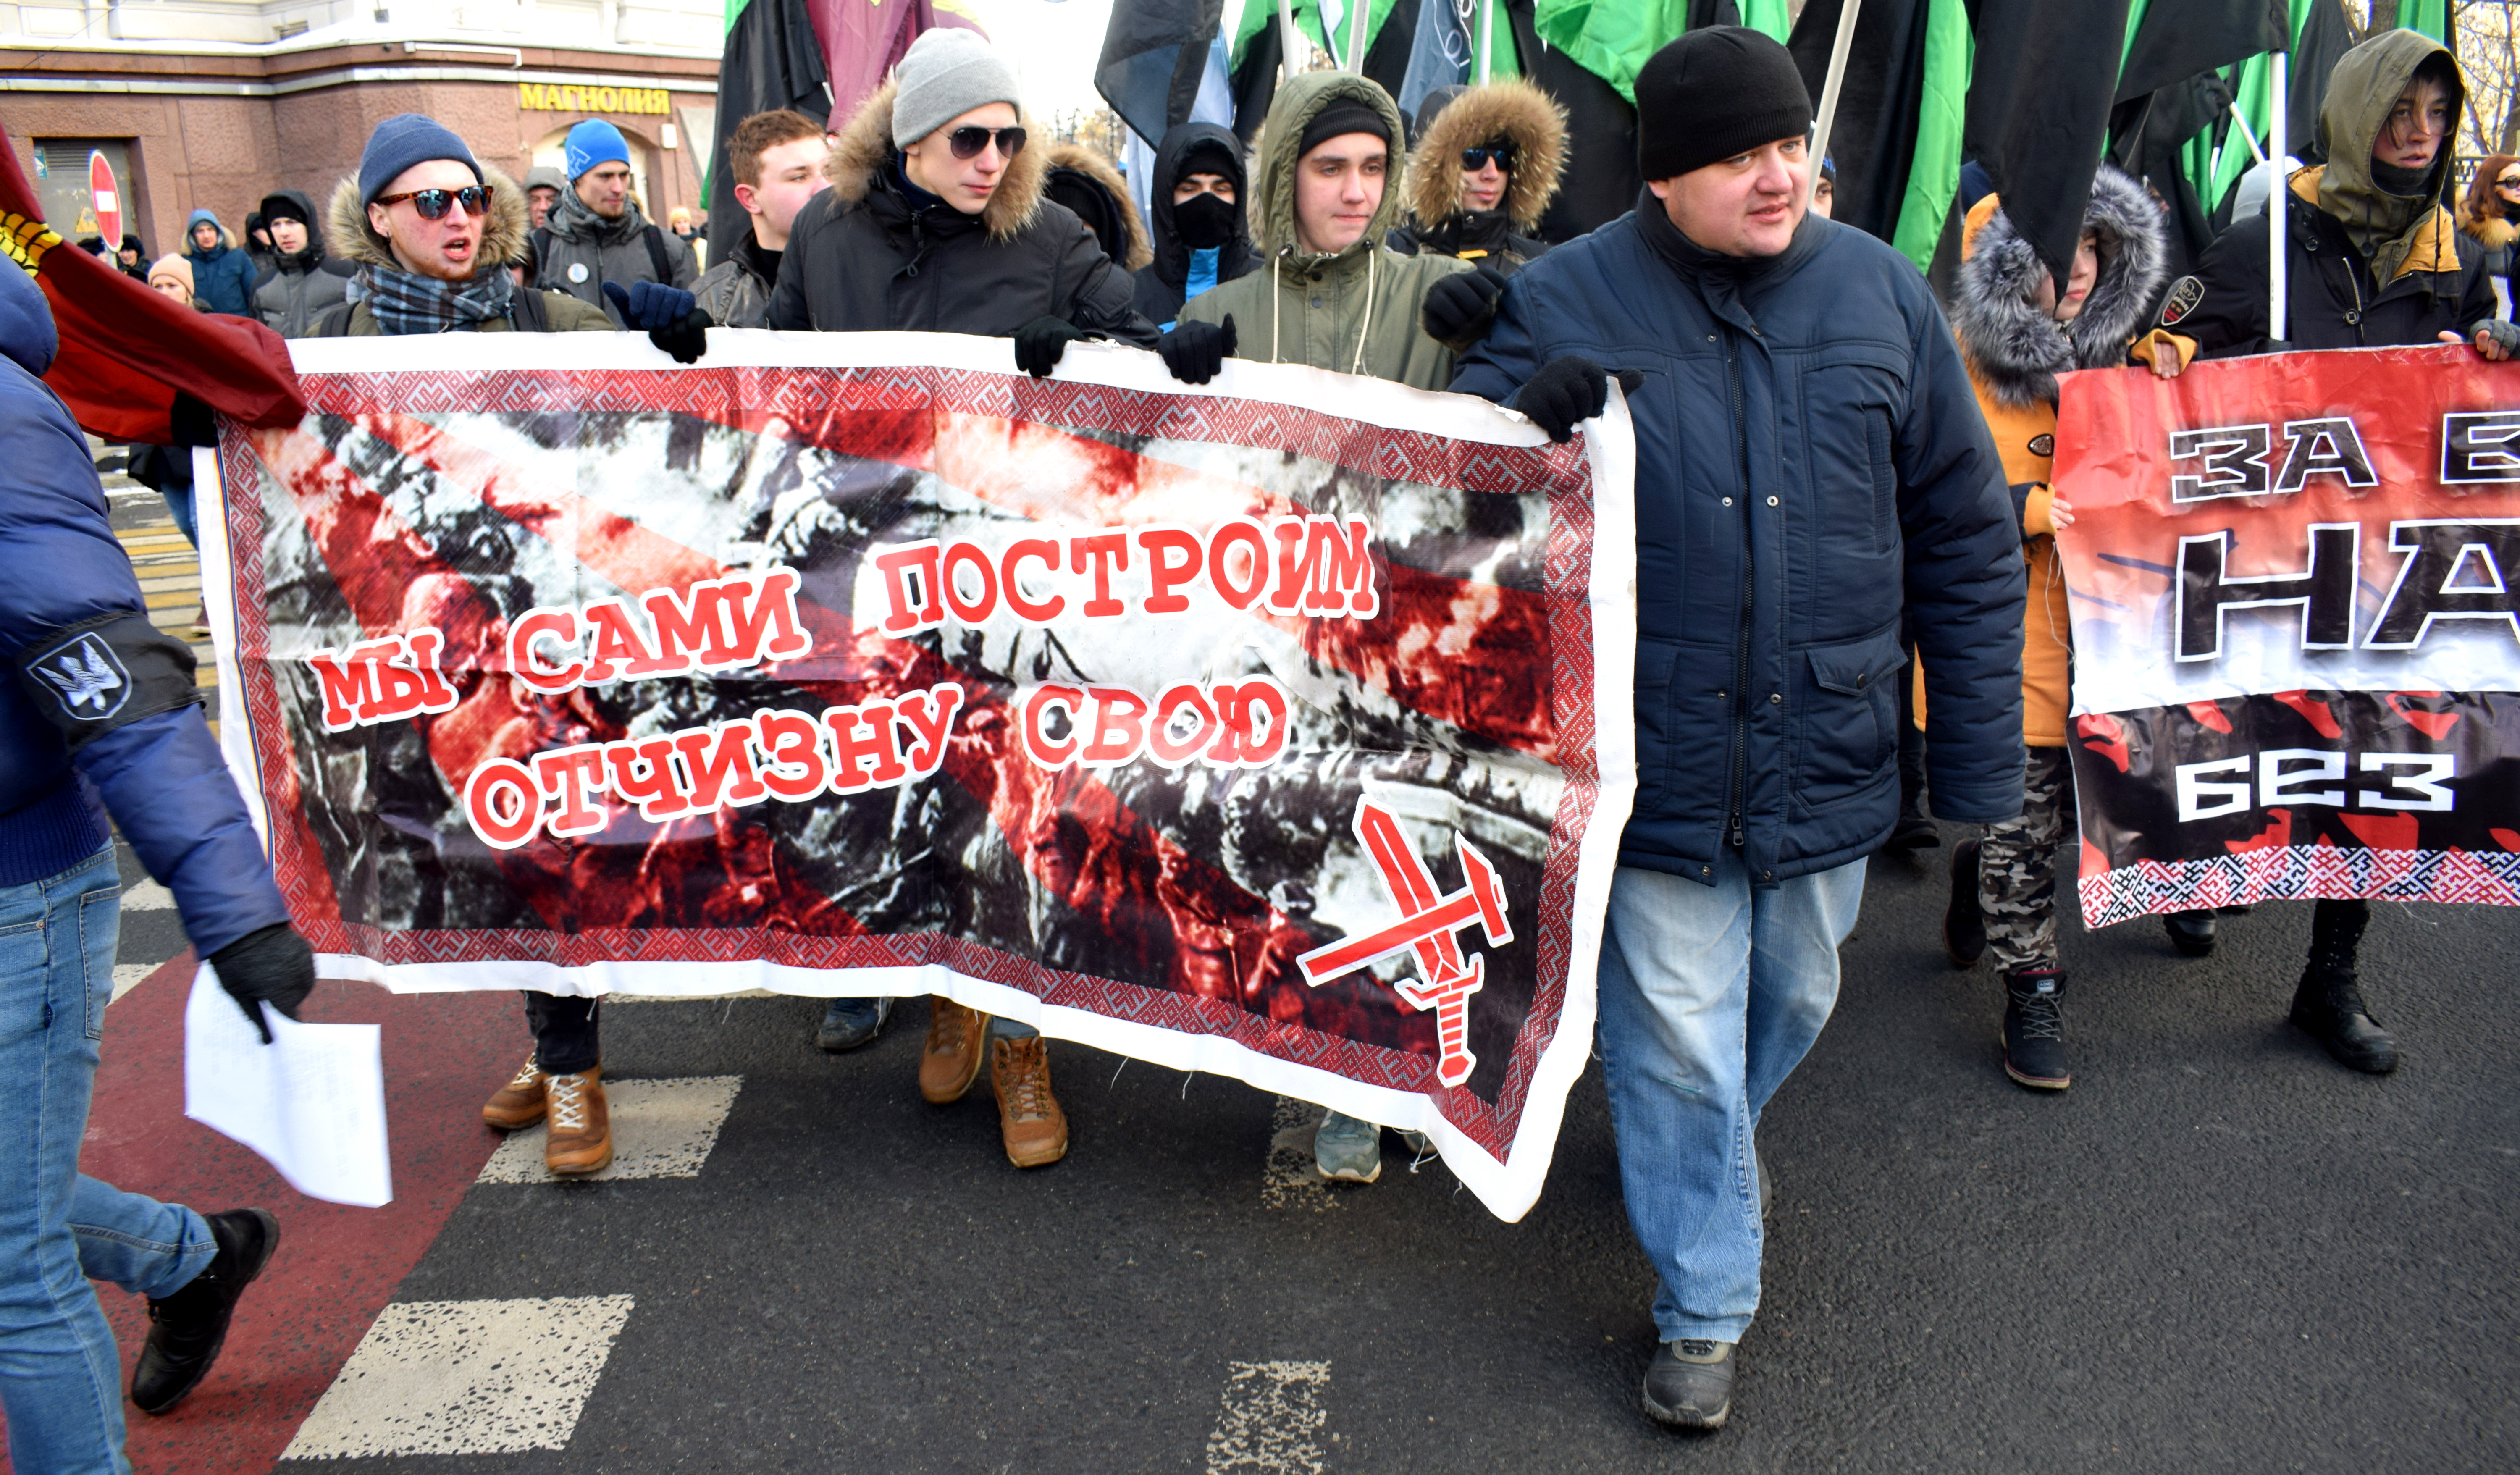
(337, 1267)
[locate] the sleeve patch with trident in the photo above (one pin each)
(1427, 923)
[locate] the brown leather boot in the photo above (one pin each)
(956, 1039)
(581, 1125)
(1035, 1129)
(519, 1105)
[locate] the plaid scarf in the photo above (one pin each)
(405, 303)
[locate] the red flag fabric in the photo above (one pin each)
(126, 351)
(863, 42)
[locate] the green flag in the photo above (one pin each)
(1612, 38)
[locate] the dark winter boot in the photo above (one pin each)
(187, 1328)
(2190, 932)
(1964, 924)
(2034, 1029)
(2328, 1006)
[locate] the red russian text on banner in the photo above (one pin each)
(1278, 729)
(2295, 584)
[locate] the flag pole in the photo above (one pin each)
(2278, 207)
(1356, 35)
(1836, 78)
(1286, 38)
(1487, 38)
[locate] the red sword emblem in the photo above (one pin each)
(1426, 926)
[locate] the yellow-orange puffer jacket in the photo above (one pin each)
(2016, 349)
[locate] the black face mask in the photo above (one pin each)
(1203, 222)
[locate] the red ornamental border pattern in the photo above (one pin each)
(1409, 456)
(2299, 873)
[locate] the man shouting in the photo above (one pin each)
(1809, 459)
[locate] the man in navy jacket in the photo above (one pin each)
(1809, 459)
(98, 714)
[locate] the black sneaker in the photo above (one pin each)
(187, 1328)
(2190, 932)
(1689, 1385)
(851, 1022)
(1964, 924)
(2034, 1029)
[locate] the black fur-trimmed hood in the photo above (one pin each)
(2015, 348)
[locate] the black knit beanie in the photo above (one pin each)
(1713, 93)
(1341, 117)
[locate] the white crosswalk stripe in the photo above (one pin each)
(1272, 1421)
(661, 1128)
(146, 895)
(465, 1378)
(127, 977)
(1289, 1180)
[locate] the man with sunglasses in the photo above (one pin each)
(936, 221)
(432, 234)
(598, 237)
(1487, 164)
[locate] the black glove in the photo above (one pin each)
(192, 421)
(273, 967)
(1195, 351)
(1462, 308)
(1040, 343)
(1565, 391)
(669, 316)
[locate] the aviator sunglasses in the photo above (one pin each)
(968, 143)
(1476, 159)
(432, 204)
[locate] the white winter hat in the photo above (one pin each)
(947, 73)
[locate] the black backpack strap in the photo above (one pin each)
(656, 239)
(530, 312)
(542, 240)
(334, 322)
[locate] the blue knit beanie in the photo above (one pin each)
(595, 142)
(403, 141)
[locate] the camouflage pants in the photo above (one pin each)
(2017, 868)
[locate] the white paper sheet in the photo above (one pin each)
(312, 1101)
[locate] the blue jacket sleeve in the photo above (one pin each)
(162, 777)
(171, 795)
(1502, 364)
(1966, 583)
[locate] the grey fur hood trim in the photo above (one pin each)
(865, 148)
(347, 234)
(2016, 350)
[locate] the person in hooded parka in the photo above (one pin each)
(2017, 331)
(1487, 164)
(2374, 259)
(1200, 211)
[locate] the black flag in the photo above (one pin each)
(1600, 136)
(772, 61)
(2175, 42)
(1874, 136)
(2039, 112)
(1155, 52)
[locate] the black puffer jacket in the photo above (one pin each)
(1163, 284)
(860, 258)
(299, 286)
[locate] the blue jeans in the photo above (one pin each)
(60, 1376)
(1710, 996)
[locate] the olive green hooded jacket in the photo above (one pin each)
(1355, 311)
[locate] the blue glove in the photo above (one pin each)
(650, 305)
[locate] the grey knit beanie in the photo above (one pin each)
(946, 74)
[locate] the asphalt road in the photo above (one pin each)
(2218, 1251)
